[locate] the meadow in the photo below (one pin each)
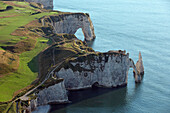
(11, 20)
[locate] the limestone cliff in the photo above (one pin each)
(108, 69)
(81, 67)
(53, 94)
(48, 4)
(69, 23)
(48, 94)
(104, 69)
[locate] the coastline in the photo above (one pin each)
(70, 59)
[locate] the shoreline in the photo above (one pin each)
(76, 96)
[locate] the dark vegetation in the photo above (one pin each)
(7, 8)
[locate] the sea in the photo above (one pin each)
(131, 25)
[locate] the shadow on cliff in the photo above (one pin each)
(107, 97)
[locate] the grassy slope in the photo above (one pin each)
(22, 17)
(23, 77)
(26, 72)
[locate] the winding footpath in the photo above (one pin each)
(25, 96)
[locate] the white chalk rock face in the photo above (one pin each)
(139, 65)
(42, 109)
(53, 94)
(33, 104)
(107, 70)
(48, 4)
(69, 23)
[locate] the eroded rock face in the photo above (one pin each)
(48, 4)
(33, 104)
(53, 94)
(69, 23)
(139, 65)
(108, 70)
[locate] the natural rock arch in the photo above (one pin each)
(70, 22)
(138, 69)
(132, 65)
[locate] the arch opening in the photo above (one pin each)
(79, 34)
(95, 85)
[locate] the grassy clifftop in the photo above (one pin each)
(21, 46)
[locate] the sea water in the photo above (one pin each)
(131, 25)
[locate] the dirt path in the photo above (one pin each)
(25, 96)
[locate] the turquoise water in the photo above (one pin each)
(131, 25)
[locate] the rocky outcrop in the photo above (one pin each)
(139, 65)
(48, 4)
(70, 22)
(53, 94)
(105, 69)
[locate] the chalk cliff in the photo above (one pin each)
(108, 69)
(70, 22)
(48, 4)
(53, 94)
(81, 67)
(105, 69)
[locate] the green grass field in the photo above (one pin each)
(20, 17)
(24, 76)
(28, 66)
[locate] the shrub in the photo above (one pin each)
(9, 7)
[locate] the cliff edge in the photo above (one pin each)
(47, 4)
